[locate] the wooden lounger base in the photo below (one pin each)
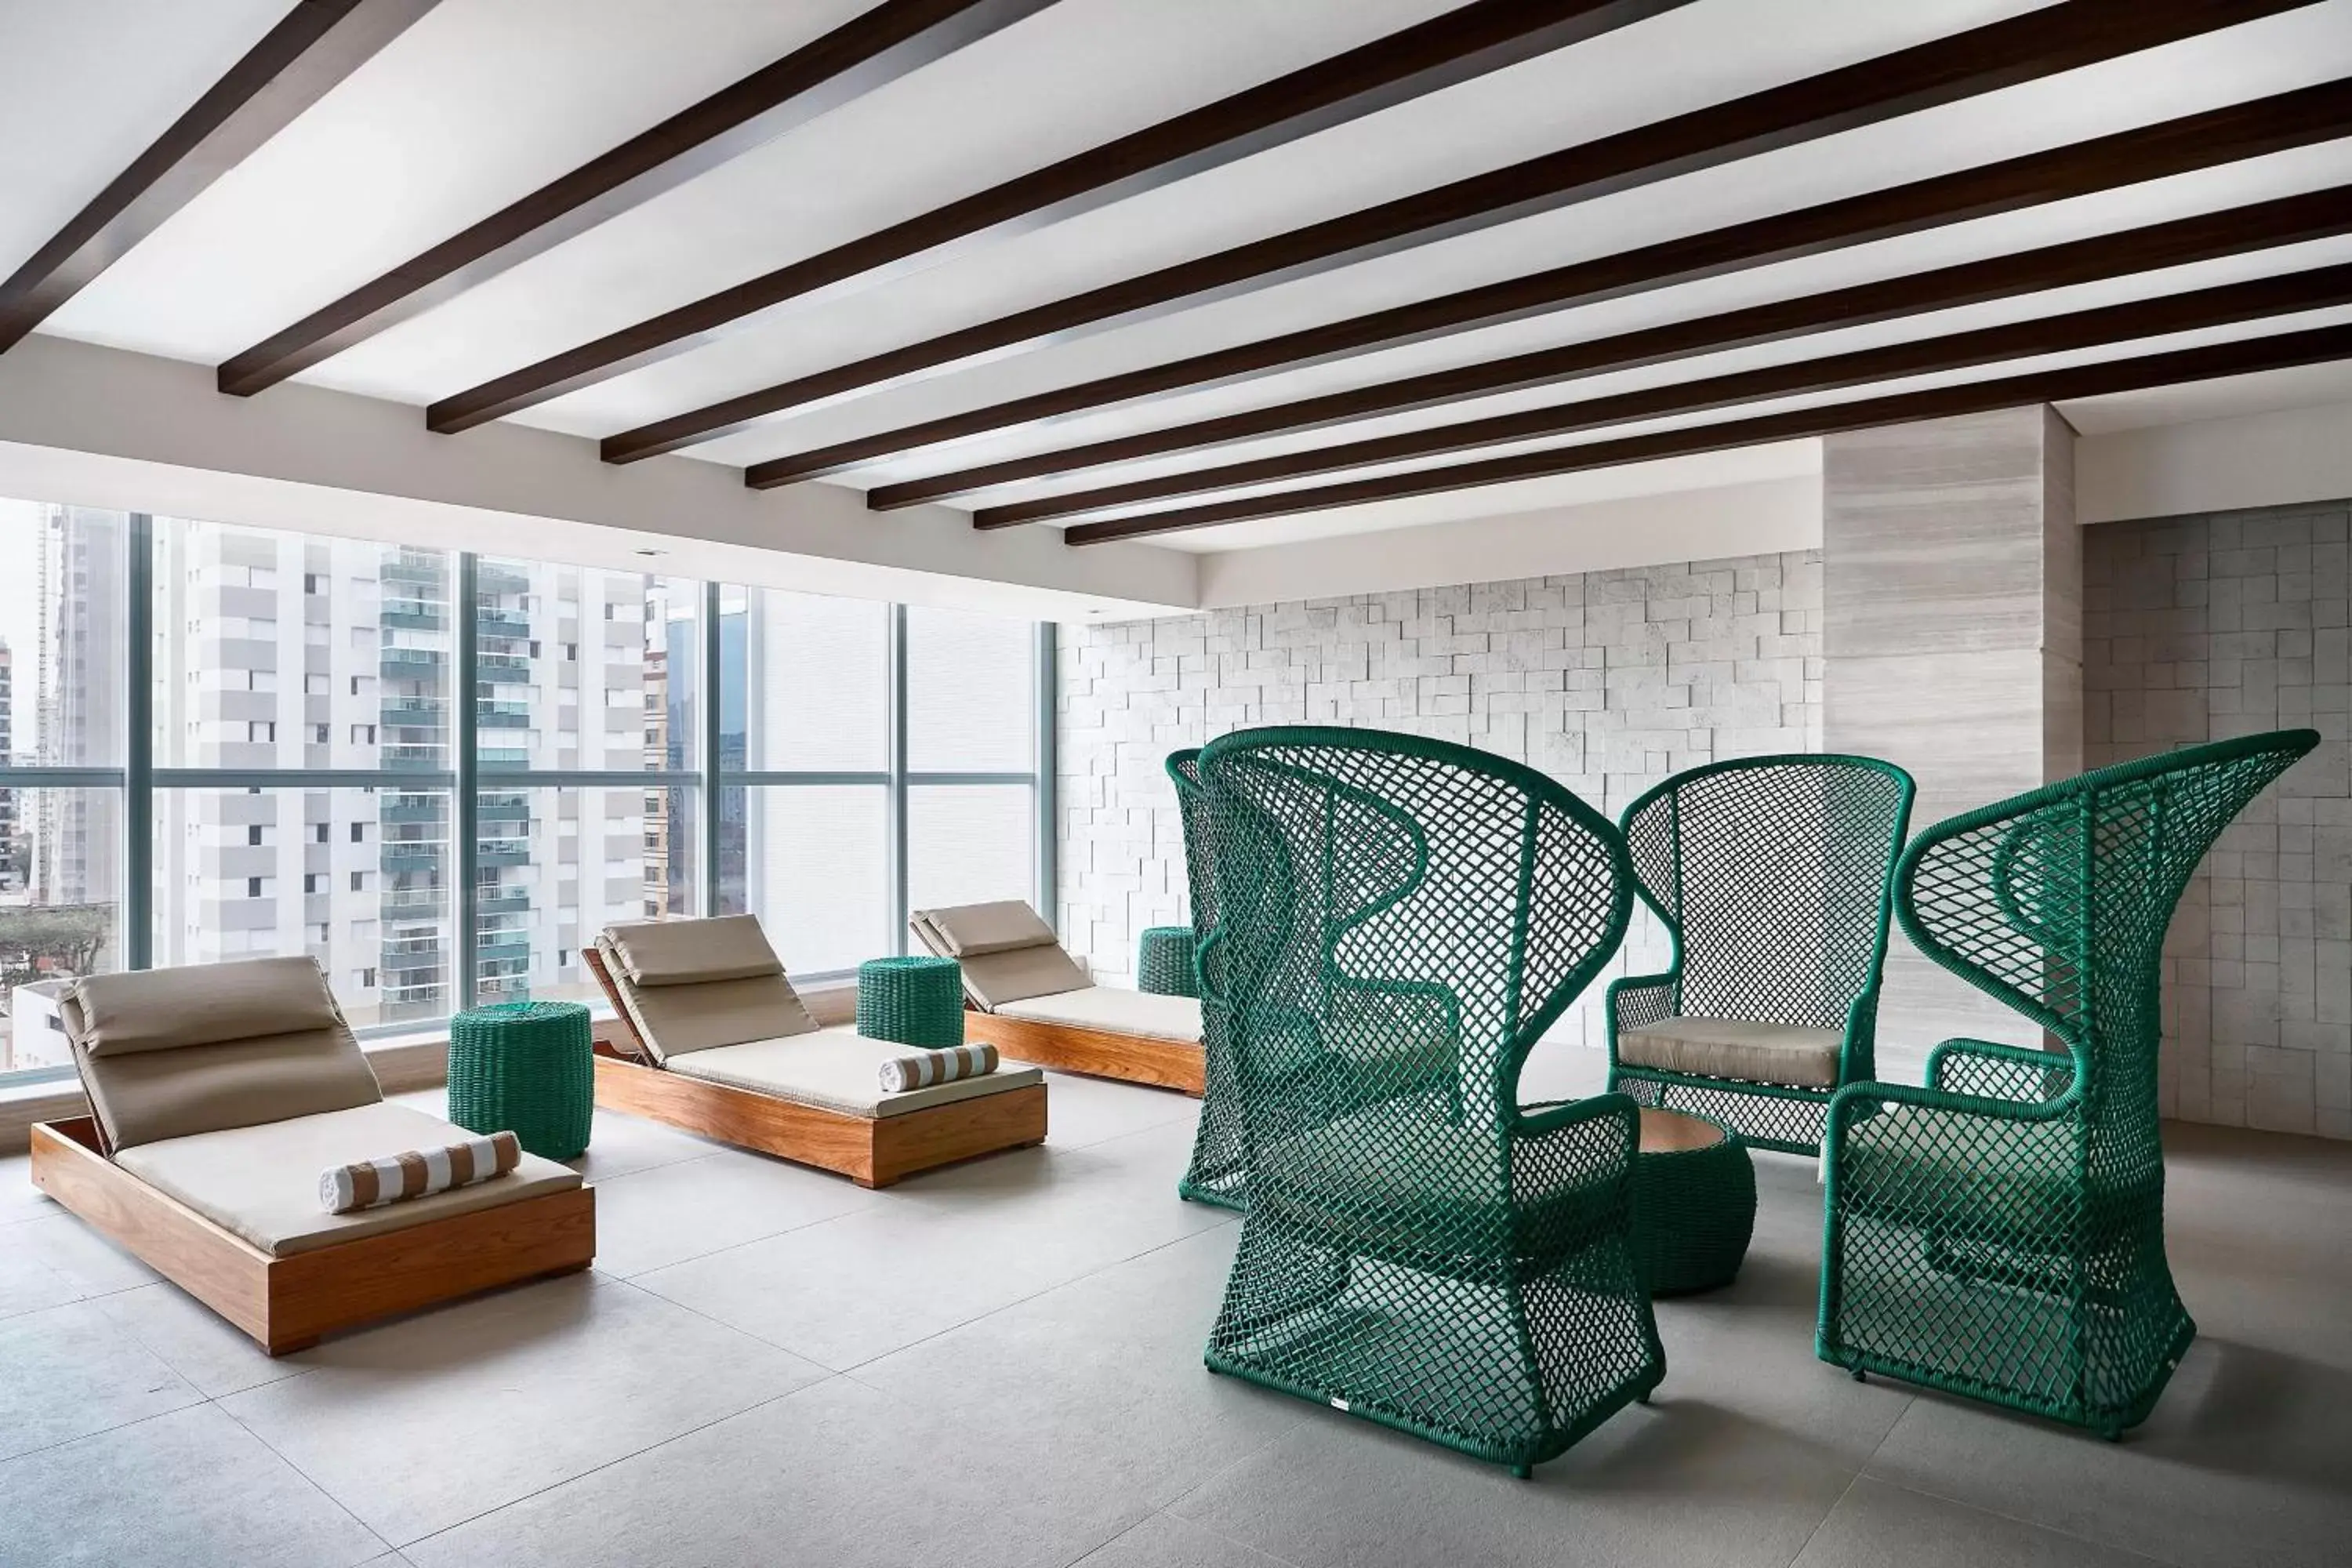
(1068, 1047)
(873, 1152)
(289, 1303)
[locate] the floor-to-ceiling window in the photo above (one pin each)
(441, 774)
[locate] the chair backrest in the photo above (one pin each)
(1193, 808)
(169, 1053)
(697, 984)
(1384, 898)
(1006, 951)
(2057, 902)
(1772, 876)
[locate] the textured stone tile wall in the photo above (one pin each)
(2203, 628)
(1607, 681)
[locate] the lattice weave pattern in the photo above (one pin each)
(1397, 922)
(1217, 1174)
(1771, 877)
(2001, 1232)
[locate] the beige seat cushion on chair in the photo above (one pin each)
(835, 1069)
(1006, 951)
(1117, 1011)
(698, 1004)
(262, 1183)
(1735, 1049)
(169, 1053)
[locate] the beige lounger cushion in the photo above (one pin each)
(204, 1004)
(1735, 1049)
(692, 953)
(673, 1020)
(835, 1069)
(262, 1183)
(1007, 952)
(164, 1089)
(1116, 1010)
(975, 931)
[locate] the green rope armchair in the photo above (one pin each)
(1999, 1233)
(1772, 876)
(1421, 1250)
(1217, 1174)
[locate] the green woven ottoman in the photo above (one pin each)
(1693, 1203)
(1164, 965)
(913, 1002)
(526, 1067)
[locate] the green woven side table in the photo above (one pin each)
(526, 1067)
(1164, 965)
(1693, 1203)
(913, 1001)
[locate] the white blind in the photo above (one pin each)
(972, 698)
(820, 681)
(820, 856)
(970, 844)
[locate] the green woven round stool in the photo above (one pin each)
(1164, 964)
(1693, 1203)
(913, 1001)
(526, 1067)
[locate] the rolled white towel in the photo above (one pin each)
(419, 1172)
(902, 1073)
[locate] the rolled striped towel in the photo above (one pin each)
(902, 1073)
(419, 1172)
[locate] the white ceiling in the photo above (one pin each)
(483, 101)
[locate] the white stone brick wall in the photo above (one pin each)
(2203, 628)
(1607, 681)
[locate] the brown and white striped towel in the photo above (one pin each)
(902, 1073)
(420, 1172)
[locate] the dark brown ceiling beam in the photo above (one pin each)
(2240, 230)
(2227, 305)
(869, 51)
(2033, 45)
(2216, 137)
(318, 44)
(2280, 351)
(1467, 42)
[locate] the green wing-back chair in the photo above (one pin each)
(1421, 1250)
(1999, 1233)
(1772, 876)
(1217, 1174)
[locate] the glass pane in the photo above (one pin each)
(972, 694)
(579, 668)
(820, 862)
(970, 844)
(282, 651)
(811, 674)
(62, 599)
(555, 866)
(360, 880)
(60, 910)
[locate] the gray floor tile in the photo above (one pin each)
(430, 1420)
(54, 1257)
(840, 1474)
(618, 1144)
(69, 1372)
(1101, 1377)
(1163, 1540)
(1876, 1523)
(19, 1199)
(1082, 1110)
(194, 1341)
(192, 1487)
(651, 1218)
(944, 1249)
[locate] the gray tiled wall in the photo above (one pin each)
(1607, 681)
(2201, 629)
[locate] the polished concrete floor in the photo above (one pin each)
(1001, 1364)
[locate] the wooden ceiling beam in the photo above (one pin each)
(2278, 352)
(2235, 232)
(316, 46)
(2227, 305)
(869, 51)
(1464, 43)
(2215, 137)
(2024, 47)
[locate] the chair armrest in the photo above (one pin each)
(1858, 1055)
(1637, 1001)
(1857, 1100)
(1555, 1145)
(2019, 1074)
